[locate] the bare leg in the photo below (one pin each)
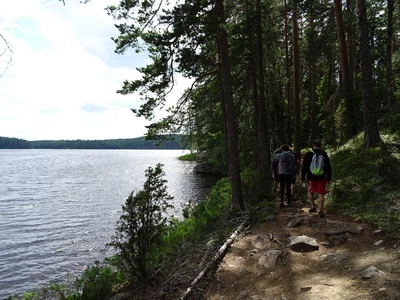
(311, 198)
(320, 202)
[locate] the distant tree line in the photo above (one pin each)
(135, 143)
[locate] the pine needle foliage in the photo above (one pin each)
(141, 226)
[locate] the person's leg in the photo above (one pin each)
(320, 202)
(321, 193)
(276, 183)
(282, 187)
(292, 185)
(288, 189)
(320, 205)
(311, 196)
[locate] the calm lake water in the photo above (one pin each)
(58, 208)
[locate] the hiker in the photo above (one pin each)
(316, 173)
(274, 167)
(286, 171)
(298, 168)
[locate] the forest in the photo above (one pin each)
(263, 73)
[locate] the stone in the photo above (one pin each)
(337, 240)
(296, 222)
(269, 259)
(303, 243)
(345, 228)
(370, 272)
(202, 166)
(270, 218)
(261, 242)
(334, 258)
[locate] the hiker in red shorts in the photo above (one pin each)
(316, 173)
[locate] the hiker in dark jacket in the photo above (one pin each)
(298, 170)
(286, 170)
(316, 183)
(274, 167)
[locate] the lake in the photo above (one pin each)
(59, 208)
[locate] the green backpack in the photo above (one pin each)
(317, 164)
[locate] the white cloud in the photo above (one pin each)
(63, 80)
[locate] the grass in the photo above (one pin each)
(188, 157)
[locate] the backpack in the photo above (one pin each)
(288, 163)
(317, 164)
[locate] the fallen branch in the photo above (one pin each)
(216, 257)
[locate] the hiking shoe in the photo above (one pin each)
(321, 214)
(289, 203)
(312, 210)
(281, 205)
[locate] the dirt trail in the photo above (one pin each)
(305, 275)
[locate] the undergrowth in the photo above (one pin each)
(364, 183)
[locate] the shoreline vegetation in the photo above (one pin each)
(188, 157)
(110, 144)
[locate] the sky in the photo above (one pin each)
(62, 82)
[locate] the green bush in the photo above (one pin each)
(97, 282)
(141, 226)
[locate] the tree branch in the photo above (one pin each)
(9, 48)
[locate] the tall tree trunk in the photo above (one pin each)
(260, 110)
(287, 86)
(313, 82)
(349, 40)
(371, 133)
(313, 98)
(225, 85)
(351, 129)
(296, 79)
(389, 69)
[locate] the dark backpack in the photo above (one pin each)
(317, 164)
(288, 162)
